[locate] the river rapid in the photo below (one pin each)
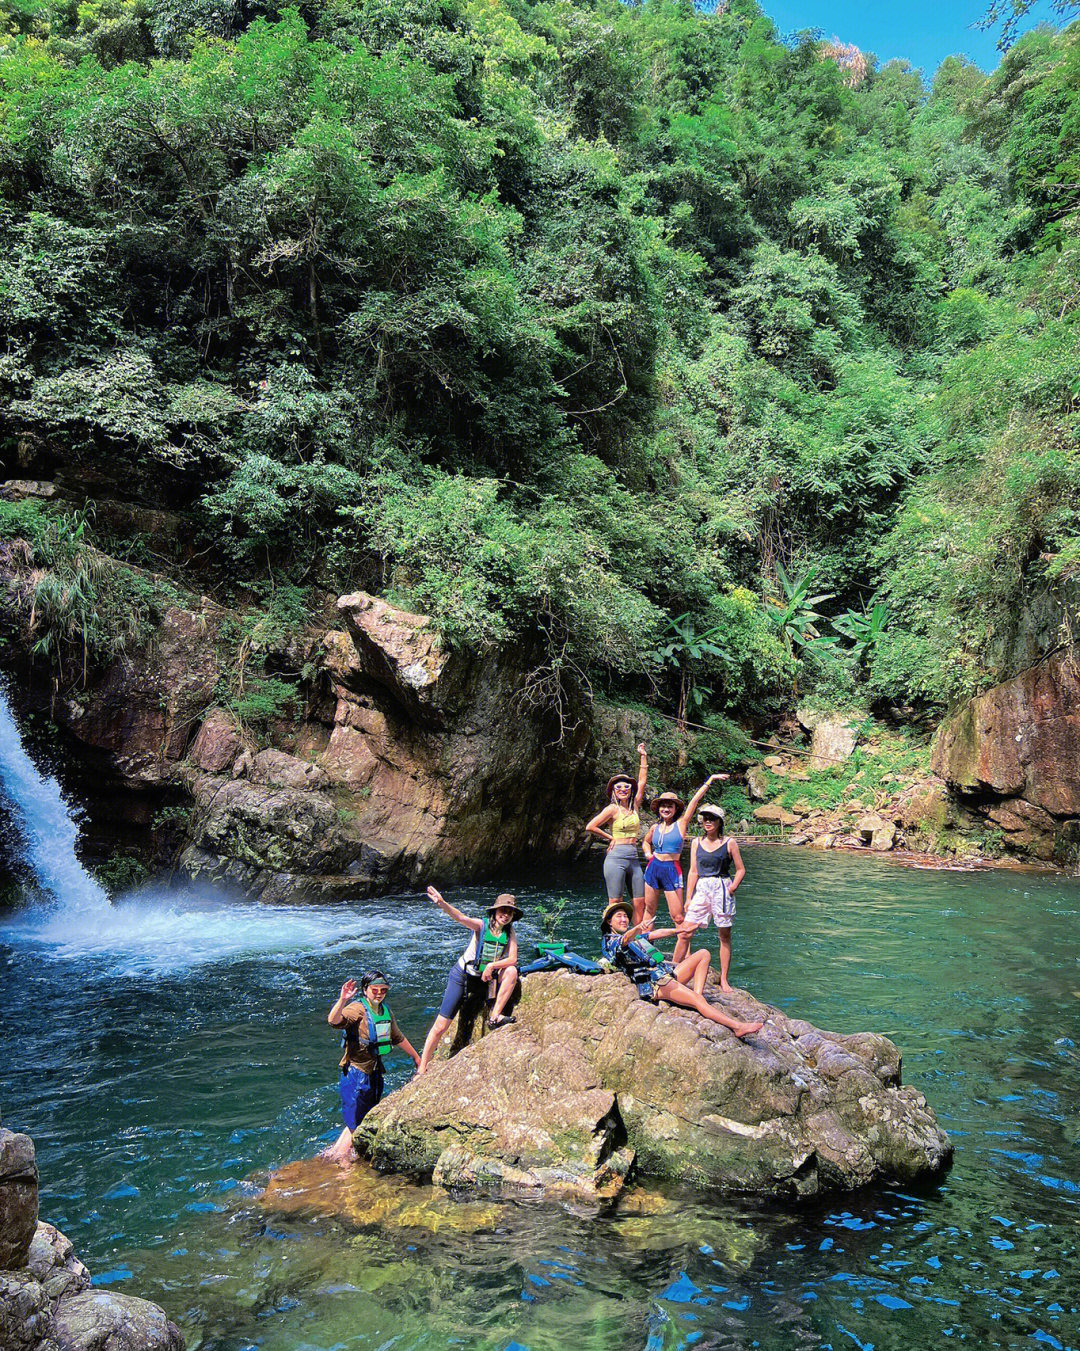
(169, 1055)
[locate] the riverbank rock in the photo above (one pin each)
(590, 1082)
(774, 814)
(46, 1303)
(18, 1197)
(395, 761)
(1012, 755)
(833, 736)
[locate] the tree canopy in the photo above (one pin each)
(562, 321)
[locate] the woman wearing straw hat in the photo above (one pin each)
(489, 959)
(663, 847)
(710, 887)
(619, 824)
(629, 950)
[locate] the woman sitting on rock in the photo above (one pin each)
(371, 1032)
(490, 959)
(629, 950)
(710, 887)
(663, 847)
(622, 862)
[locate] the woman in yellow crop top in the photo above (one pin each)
(619, 824)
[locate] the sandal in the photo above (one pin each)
(501, 1021)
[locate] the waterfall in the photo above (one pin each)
(153, 929)
(46, 825)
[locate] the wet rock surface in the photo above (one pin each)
(591, 1084)
(46, 1303)
(1012, 755)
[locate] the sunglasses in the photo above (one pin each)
(378, 989)
(710, 817)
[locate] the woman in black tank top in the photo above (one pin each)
(710, 886)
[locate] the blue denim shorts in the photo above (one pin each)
(359, 1094)
(663, 876)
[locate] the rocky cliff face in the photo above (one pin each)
(407, 761)
(46, 1302)
(591, 1082)
(1012, 755)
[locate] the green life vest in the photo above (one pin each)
(493, 946)
(379, 1028)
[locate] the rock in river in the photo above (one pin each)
(45, 1300)
(592, 1083)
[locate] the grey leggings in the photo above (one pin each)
(622, 869)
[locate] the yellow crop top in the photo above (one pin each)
(625, 828)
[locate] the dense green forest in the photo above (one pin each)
(720, 367)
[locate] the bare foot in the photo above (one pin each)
(745, 1029)
(344, 1158)
(420, 1069)
(727, 989)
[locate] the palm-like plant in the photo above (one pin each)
(796, 616)
(684, 649)
(864, 628)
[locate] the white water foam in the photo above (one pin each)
(156, 930)
(153, 929)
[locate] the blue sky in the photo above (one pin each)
(923, 31)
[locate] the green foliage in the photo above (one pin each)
(81, 609)
(548, 914)
(576, 326)
(122, 872)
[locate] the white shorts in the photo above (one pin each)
(712, 897)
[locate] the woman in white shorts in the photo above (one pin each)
(711, 887)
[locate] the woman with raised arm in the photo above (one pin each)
(629, 950)
(710, 887)
(490, 959)
(369, 1032)
(619, 825)
(663, 847)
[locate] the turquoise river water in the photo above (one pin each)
(167, 1059)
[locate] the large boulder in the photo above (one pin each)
(99, 1320)
(18, 1198)
(590, 1080)
(1013, 755)
(776, 814)
(46, 1303)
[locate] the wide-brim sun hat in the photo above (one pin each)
(711, 809)
(507, 902)
(679, 804)
(617, 778)
(624, 906)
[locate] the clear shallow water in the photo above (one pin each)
(166, 1064)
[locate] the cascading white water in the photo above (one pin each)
(154, 929)
(47, 826)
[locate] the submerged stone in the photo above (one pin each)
(591, 1082)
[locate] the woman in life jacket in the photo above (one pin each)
(710, 887)
(489, 959)
(629, 950)
(369, 1032)
(619, 825)
(663, 845)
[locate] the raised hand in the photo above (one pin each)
(641, 748)
(348, 990)
(436, 896)
(716, 778)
